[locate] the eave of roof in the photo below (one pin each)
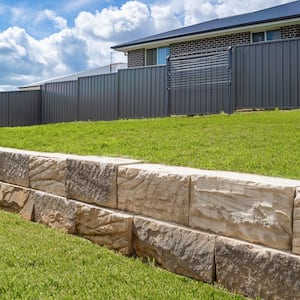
(274, 14)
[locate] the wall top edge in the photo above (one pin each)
(62, 156)
(165, 169)
(222, 175)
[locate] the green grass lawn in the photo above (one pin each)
(40, 263)
(265, 143)
(37, 262)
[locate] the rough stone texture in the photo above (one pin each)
(54, 211)
(47, 174)
(93, 181)
(178, 249)
(105, 227)
(156, 191)
(256, 271)
(14, 168)
(296, 223)
(27, 210)
(16, 199)
(257, 209)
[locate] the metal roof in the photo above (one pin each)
(112, 68)
(282, 12)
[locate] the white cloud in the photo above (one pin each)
(234, 7)
(164, 18)
(47, 14)
(109, 26)
(112, 22)
(196, 11)
(25, 59)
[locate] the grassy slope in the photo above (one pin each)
(40, 263)
(263, 142)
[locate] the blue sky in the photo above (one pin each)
(45, 39)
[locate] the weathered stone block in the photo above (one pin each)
(256, 271)
(156, 191)
(54, 211)
(257, 209)
(47, 174)
(178, 249)
(93, 181)
(14, 167)
(16, 199)
(296, 223)
(105, 227)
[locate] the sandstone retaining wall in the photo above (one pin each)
(240, 230)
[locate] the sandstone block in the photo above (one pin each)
(257, 209)
(156, 191)
(178, 249)
(14, 168)
(16, 199)
(92, 182)
(256, 271)
(296, 224)
(104, 227)
(47, 174)
(54, 211)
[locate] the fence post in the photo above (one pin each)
(39, 117)
(78, 99)
(230, 104)
(168, 100)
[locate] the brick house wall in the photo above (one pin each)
(290, 32)
(210, 43)
(136, 58)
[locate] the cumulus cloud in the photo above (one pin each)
(114, 22)
(24, 59)
(87, 43)
(164, 18)
(194, 11)
(47, 14)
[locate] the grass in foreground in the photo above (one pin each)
(37, 262)
(262, 142)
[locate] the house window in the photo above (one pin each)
(273, 35)
(263, 36)
(157, 56)
(162, 54)
(151, 57)
(258, 37)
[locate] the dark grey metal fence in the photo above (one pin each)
(59, 102)
(20, 108)
(263, 75)
(143, 92)
(4, 110)
(199, 82)
(130, 93)
(267, 75)
(98, 97)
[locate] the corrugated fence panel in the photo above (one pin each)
(59, 102)
(143, 92)
(24, 108)
(4, 121)
(267, 75)
(98, 97)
